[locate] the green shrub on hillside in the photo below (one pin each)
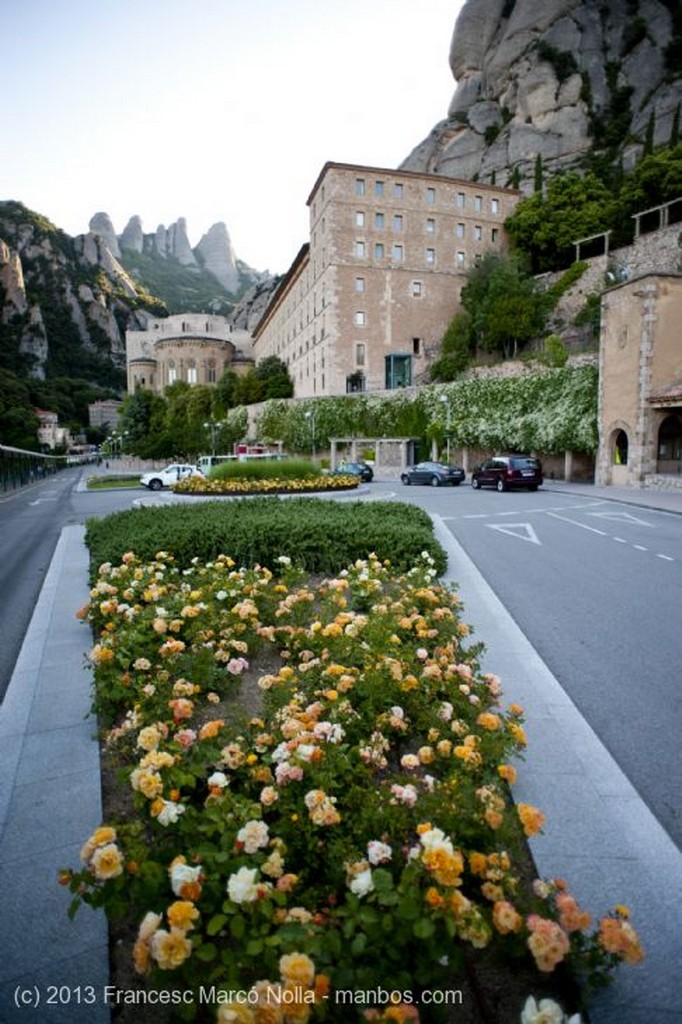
(321, 536)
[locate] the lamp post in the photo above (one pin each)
(446, 401)
(213, 426)
(310, 415)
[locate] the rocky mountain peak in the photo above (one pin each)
(553, 81)
(217, 254)
(100, 224)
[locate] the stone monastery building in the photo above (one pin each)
(193, 347)
(366, 302)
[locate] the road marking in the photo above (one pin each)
(622, 517)
(640, 547)
(39, 500)
(666, 558)
(620, 540)
(524, 531)
(583, 526)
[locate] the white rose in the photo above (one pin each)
(362, 883)
(241, 887)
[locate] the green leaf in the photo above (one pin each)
(207, 952)
(423, 929)
(216, 924)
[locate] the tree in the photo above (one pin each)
(546, 226)
(506, 310)
(277, 383)
(454, 352)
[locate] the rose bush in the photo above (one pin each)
(358, 826)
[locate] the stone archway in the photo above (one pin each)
(669, 445)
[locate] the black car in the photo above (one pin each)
(361, 469)
(507, 472)
(435, 473)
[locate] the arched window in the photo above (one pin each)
(620, 449)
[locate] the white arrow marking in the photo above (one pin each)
(621, 517)
(524, 531)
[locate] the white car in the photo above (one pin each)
(170, 475)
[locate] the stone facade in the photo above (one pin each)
(192, 347)
(366, 302)
(640, 383)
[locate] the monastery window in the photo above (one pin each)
(360, 250)
(460, 258)
(430, 226)
(495, 235)
(359, 186)
(191, 372)
(379, 220)
(430, 196)
(359, 284)
(360, 318)
(430, 256)
(416, 346)
(416, 289)
(378, 188)
(360, 353)
(460, 231)
(478, 203)
(494, 205)
(359, 219)
(478, 232)
(397, 222)
(398, 253)
(461, 200)
(397, 190)
(172, 372)
(379, 251)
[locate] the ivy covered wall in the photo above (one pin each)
(550, 411)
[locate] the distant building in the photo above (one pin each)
(50, 434)
(193, 347)
(640, 383)
(104, 413)
(366, 302)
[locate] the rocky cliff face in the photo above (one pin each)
(554, 81)
(65, 303)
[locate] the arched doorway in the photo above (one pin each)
(620, 449)
(669, 449)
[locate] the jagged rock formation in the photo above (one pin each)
(553, 81)
(216, 253)
(100, 224)
(65, 303)
(132, 237)
(255, 301)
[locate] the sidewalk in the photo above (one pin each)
(52, 970)
(599, 836)
(653, 498)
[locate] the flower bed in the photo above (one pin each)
(270, 485)
(355, 832)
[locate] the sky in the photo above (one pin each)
(212, 110)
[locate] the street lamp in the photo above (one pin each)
(446, 401)
(213, 426)
(310, 415)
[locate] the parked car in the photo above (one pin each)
(159, 478)
(361, 469)
(506, 472)
(435, 473)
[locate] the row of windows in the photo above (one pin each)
(397, 252)
(397, 189)
(397, 224)
(416, 287)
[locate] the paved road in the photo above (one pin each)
(596, 586)
(31, 521)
